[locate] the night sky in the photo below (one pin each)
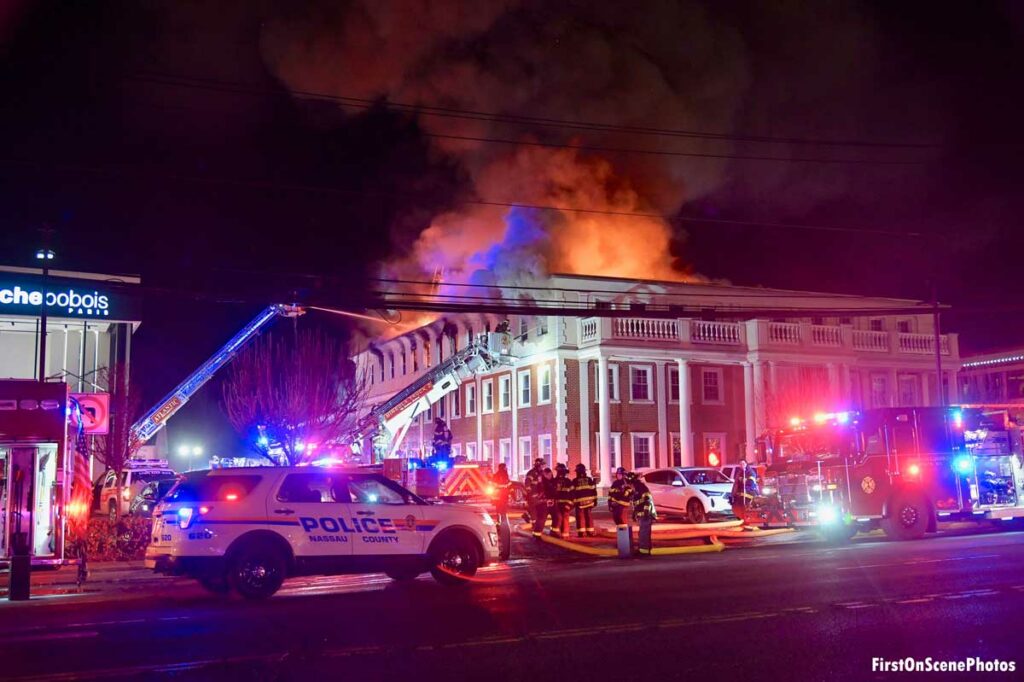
(165, 139)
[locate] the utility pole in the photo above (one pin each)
(938, 347)
(45, 255)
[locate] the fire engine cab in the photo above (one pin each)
(902, 469)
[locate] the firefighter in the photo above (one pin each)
(502, 484)
(550, 509)
(744, 490)
(536, 503)
(620, 498)
(585, 499)
(643, 512)
(564, 500)
(442, 442)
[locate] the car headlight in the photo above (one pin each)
(711, 493)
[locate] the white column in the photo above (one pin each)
(662, 458)
(748, 409)
(585, 403)
(604, 441)
(514, 447)
(479, 415)
(760, 399)
(685, 434)
(560, 448)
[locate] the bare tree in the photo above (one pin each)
(295, 393)
(118, 446)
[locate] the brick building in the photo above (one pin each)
(636, 383)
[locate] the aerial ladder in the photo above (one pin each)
(386, 424)
(154, 420)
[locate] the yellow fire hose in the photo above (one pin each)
(714, 545)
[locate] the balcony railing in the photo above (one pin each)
(726, 333)
(757, 335)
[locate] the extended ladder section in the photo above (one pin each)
(388, 422)
(154, 420)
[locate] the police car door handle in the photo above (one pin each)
(284, 511)
(366, 513)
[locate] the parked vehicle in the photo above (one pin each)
(134, 478)
(147, 499)
(693, 492)
(249, 529)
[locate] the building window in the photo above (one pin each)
(673, 384)
(643, 447)
(545, 385)
(613, 383)
(909, 390)
(677, 450)
(391, 362)
(429, 414)
(903, 326)
(524, 329)
(640, 384)
(505, 454)
(471, 451)
(845, 320)
(505, 392)
(488, 395)
(441, 408)
(470, 400)
(525, 453)
(524, 388)
(405, 364)
(456, 405)
(426, 355)
(714, 449)
(542, 325)
(712, 386)
(456, 450)
(818, 321)
(877, 325)
(487, 452)
(544, 448)
(879, 391)
(415, 359)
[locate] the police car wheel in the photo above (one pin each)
(257, 571)
(695, 511)
(455, 561)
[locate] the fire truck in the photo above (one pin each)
(384, 427)
(903, 469)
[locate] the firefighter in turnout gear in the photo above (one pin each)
(550, 504)
(502, 485)
(744, 490)
(585, 498)
(643, 512)
(620, 498)
(536, 503)
(565, 498)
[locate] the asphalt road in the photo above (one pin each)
(779, 611)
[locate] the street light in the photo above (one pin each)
(190, 451)
(45, 254)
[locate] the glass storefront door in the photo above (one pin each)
(28, 498)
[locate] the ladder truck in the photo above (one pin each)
(151, 422)
(386, 424)
(903, 469)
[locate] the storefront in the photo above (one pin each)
(90, 321)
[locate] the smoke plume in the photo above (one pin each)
(668, 66)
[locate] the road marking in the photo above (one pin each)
(922, 600)
(916, 562)
(50, 636)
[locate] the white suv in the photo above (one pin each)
(249, 529)
(137, 474)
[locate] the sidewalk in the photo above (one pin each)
(103, 573)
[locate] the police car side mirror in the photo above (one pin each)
(677, 483)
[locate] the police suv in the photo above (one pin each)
(248, 529)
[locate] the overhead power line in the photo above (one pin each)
(134, 174)
(470, 114)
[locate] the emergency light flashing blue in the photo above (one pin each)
(441, 466)
(963, 464)
(154, 420)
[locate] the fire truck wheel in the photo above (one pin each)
(455, 558)
(257, 570)
(908, 517)
(695, 511)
